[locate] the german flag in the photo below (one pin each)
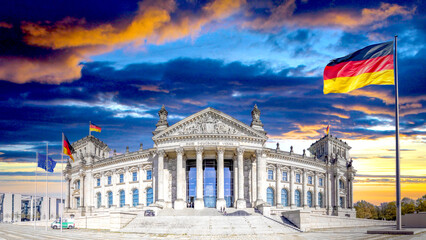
(68, 149)
(327, 131)
(94, 128)
(370, 65)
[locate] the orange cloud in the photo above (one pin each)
(373, 17)
(303, 132)
(5, 25)
(152, 23)
(152, 88)
(365, 109)
(194, 102)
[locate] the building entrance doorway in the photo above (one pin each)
(209, 167)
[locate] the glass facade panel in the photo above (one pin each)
(135, 194)
(191, 182)
(297, 198)
(110, 199)
(309, 198)
(210, 184)
(229, 179)
(149, 196)
(122, 198)
(284, 197)
(270, 196)
(148, 175)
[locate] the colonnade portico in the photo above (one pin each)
(238, 158)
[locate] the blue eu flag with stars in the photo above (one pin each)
(42, 162)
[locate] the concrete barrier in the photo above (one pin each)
(414, 220)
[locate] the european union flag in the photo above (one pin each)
(42, 162)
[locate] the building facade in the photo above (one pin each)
(15, 207)
(210, 160)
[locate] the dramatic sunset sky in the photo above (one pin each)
(65, 63)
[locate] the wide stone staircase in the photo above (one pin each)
(207, 222)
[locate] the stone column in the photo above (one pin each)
(261, 171)
(304, 190)
(160, 176)
(328, 194)
(253, 182)
(292, 202)
(82, 189)
(179, 202)
(199, 201)
(278, 186)
(315, 197)
(220, 202)
(241, 203)
(235, 182)
(336, 191)
(351, 192)
(67, 203)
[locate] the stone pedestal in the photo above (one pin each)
(221, 203)
(180, 204)
(241, 204)
(199, 204)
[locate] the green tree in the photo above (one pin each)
(365, 209)
(421, 204)
(389, 210)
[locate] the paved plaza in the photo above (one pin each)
(12, 231)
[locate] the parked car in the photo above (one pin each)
(66, 223)
(149, 213)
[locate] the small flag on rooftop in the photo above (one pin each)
(94, 128)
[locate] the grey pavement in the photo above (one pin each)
(12, 231)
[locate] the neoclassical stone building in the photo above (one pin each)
(210, 160)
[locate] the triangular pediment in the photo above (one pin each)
(209, 122)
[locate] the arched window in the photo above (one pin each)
(297, 198)
(149, 196)
(309, 198)
(99, 199)
(110, 199)
(270, 196)
(135, 193)
(284, 197)
(320, 199)
(122, 198)
(341, 184)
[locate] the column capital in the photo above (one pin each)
(161, 153)
(220, 150)
(198, 149)
(259, 153)
(240, 151)
(179, 150)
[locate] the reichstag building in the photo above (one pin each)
(210, 160)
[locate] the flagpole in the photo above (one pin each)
(397, 180)
(90, 123)
(47, 201)
(62, 170)
(35, 197)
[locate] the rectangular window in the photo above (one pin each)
(310, 180)
(321, 182)
(98, 182)
(285, 176)
(270, 175)
(78, 201)
(78, 184)
(135, 176)
(121, 178)
(342, 202)
(109, 180)
(148, 175)
(297, 177)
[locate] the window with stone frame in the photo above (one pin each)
(310, 180)
(342, 202)
(270, 174)
(285, 178)
(110, 202)
(341, 184)
(121, 178)
(298, 179)
(321, 182)
(109, 180)
(148, 175)
(134, 176)
(98, 182)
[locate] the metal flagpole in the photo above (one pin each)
(90, 123)
(47, 201)
(62, 170)
(397, 180)
(35, 197)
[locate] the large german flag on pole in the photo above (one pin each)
(370, 65)
(68, 149)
